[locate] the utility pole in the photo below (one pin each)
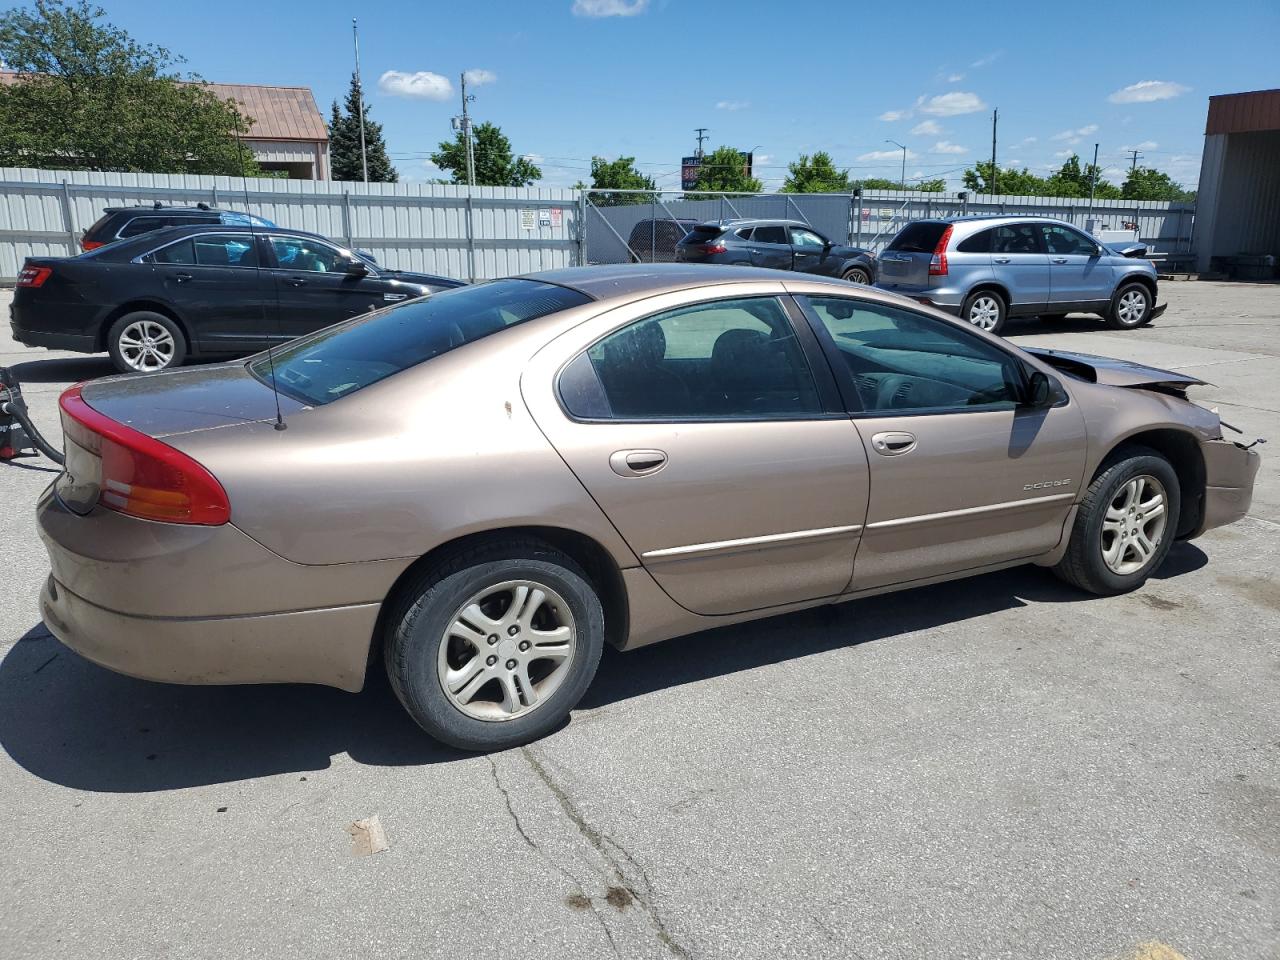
(702, 135)
(1093, 178)
(364, 154)
(995, 172)
(1136, 156)
(903, 181)
(466, 134)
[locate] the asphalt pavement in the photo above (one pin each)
(999, 767)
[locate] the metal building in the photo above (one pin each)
(1238, 202)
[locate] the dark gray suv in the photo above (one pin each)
(987, 269)
(777, 244)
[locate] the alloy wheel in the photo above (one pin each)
(507, 650)
(1134, 524)
(1132, 308)
(146, 346)
(984, 313)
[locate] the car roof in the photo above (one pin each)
(633, 281)
(977, 218)
(164, 210)
(735, 223)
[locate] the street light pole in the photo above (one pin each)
(903, 181)
(466, 134)
(364, 154)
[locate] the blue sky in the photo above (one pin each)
(567, 79)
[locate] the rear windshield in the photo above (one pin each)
(342, 359)
(702, 233)
(919, 237)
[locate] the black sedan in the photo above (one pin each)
(778, 245)
(155, 300)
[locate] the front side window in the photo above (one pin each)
(725, 360)
(225, 250)
(1015, 238)
(342, 359)
(309, 256)
(801, 237)
(1064, 240)
(770, 235)
(902, 362)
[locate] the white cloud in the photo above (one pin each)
(478, 78)
(927, 128)
(892, 115)
(1148, 91)
(1144, 145)
(888, 155)
(423, 85)
(732, 105)
(1064, 153)
(1075, 136)
(989, 59)
(762, 159)
(955, 77)
(1030, 139)
(950, 104)
(608, 8)
(946, 146)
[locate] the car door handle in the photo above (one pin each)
(637, 463)
(182, 277)
(296, 281)
(893, 443)
(1059, 259)
(999, 259)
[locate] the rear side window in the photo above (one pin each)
(978, 243)
(770, 235)
(919, 237)
(181, 252)
(1016, 238)
(140, 225)
(725, 360)
(342, 359)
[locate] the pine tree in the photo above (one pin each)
(344, 143)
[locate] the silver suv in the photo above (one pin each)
(987, 269)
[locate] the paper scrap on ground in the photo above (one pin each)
(367, 836)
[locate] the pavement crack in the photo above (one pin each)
(536, 848)
(602, 845)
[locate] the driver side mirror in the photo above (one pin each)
(357, 268)
(1042, 391)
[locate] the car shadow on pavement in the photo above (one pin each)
(71, 722)
(62, 369)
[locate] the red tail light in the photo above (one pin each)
(141, 476)
(34, 276)
(714, 248)
(87, 245)
(938, 263)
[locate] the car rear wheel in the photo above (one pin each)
(1130, 307)
(1125, 525)
(146, 342)
(493, 648)
(857, 275)
(986, 310)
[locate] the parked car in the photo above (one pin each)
(155, 300)
(654, 241)
(484, 487)
(776, 244)
(987, 269)
(121, 223)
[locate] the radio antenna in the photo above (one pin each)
(257, 266)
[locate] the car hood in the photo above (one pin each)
(1116, 373)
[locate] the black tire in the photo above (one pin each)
(1083, 565)
(415, 631)
(174, 355)
(857, 275)
(980, 298)
(1120, 307)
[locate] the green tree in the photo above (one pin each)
(1145, 183)
(344, 143)
(495, 165)
(1073, 180)
(90, 96)
(880, 183)
(1008, 180)
(816, 174)
(724, 169)
(620, 174)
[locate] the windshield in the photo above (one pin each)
(344, 358)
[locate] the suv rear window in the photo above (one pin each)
(342, 359)
(919, 237)
(702, 233)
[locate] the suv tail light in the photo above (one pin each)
(87, 245)
(714, 248)
(142, 477)
(938, 262)
(34, 276)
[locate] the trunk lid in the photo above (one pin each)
(1117, 373)
(905, 262)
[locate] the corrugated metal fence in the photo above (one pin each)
(436, 228)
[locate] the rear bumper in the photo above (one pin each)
(80, 343)
(303, 646)
(1230, 471)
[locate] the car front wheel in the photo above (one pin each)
(146, 342)
(857, 275)
(1125, 525)
(493, 648)
(1130, 307)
